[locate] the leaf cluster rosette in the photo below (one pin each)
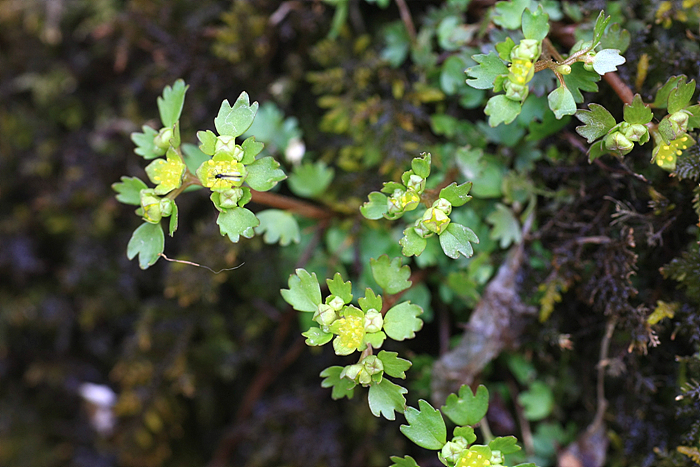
(427, 428)
(395, 199)
(671, 135)
(229, 170)
(511, 69)
(362, 328)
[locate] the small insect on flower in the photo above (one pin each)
(234, 177)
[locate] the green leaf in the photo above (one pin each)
(694, 119)
(406, 461)
(636, 113)
(452, 75)
(425, 426)
(579, 80)
(661, 99)
(505, 444)
(506, 228)
(679, 98)
(411, 243)
(237, 221)
(174, 216)
(394, 366)
(457, 240)
(375, 339)
(467, 408)
(342, 387)
(128, 190)
(600, 24)
(207, 140)
(508, 14)
(315, 337)
(452, 34)
(310, 180)
(370, 301)
(457, 195)
(485, 73)
(264, 173)
(607, 60)
(500, 109)
(234, 121)
(376, 207)
(278, 226)
(616, 38)
(537, 401)
(170, 105)
(561, 101)
(304, 293)
(535, 24)
(339, 288)
(147, 241)
(166, 174)
(251, 148)
(398, 43)
(597, 122)
(402, 322)
(465, 432)
(386, 398)
(390, 275)
(145, 145)
(421, 165)
(504, 48)
(596, 150)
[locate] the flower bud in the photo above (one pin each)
(394, 202)
(325, 315)
(373, 321)
(563, 69)
(337, 303)
(435, 220)
(453, 450)
(373, 365)
(421, 229)
(416, 183)
(528, 49)
(636, 132)
(680, 118)
(496, 457)
(516, 92)
(443, 205)
(616, 141)
(229, 199)
(166, 207)
(150, 204)
(227, 145)
(162, 139)
(351, 371)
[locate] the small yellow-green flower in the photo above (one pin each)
(166, 174)
(435, 220)
(222, 174)
(665, 154)
(350, 330)
(476, 456)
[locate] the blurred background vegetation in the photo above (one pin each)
(210, 369)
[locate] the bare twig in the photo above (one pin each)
(406, 18)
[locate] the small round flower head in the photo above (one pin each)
(162, 139)
(227, 145)
(221, 175)
(373, 321)
(435, 220)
